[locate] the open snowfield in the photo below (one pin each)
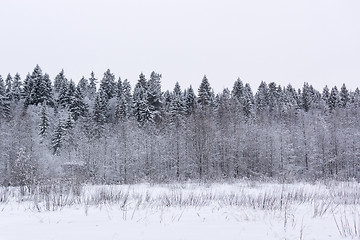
(243, 210)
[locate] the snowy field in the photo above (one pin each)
(243, 210)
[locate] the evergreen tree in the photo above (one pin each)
(57, 140)
(37, 91)
(190, 101)
(46, 91)
(344, 96)
(177, 106)
(8, 87)
(99, 115)
(141, 107)
(83, 86)
(238, 90)
(107, 85)
(92, 86)
(2, 87)
(261, 97)
(334, 99)
(325, 95)
(273, 97)
(70, 96)
(44, 122)
(78, 107)
(16, 88)
(291, 96)
(248, 101)
(127, 96)
(121, 105)
(60, 81)
(205, 97)
(63, 95)
(27, 90)
(154, 95)
(307, 97)
(4, 101)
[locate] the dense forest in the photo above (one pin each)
(54, 130)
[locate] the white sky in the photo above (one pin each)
(286, 41)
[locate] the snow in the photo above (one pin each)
(217, 211)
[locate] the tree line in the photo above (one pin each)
(116, 134)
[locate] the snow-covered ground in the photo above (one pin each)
(243, 210)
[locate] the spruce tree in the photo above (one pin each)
(92, 86)
(83, 86)
(325, 95)
(16, 88)
(128, 97)
(307, 97)
(205, 96)
(57, 140)
(107, 85)
(141, 108)
(99, 115)
(121, 105)
(154, 95)
(4, 101)
(8, 87)
(44, 122)
(38, 87)
(27, 90)
(177, 107)
(46, 91)
(344, 96)
(238, 90)
(190, 101)
(261, 97)
(248, 101)
(334, 99)
(60, 81)
(78, 107)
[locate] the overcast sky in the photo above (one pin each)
(317, 41)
